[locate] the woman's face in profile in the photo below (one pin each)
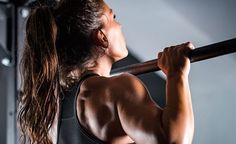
(113, 31)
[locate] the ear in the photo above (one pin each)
(100, 38)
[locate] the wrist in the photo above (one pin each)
(179, 74)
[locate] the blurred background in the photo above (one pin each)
(149, 26)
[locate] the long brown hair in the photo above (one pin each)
(57, 44)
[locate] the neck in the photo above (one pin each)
(103, 66)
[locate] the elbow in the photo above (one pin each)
(180, 136)
(179, 131)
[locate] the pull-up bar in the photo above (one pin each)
(198, 54)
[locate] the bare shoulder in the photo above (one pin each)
(123, 81)
(105, 104)
(129, 85)
(96, 108)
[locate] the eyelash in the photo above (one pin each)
(114, 16)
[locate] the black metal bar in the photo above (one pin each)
(198, 54)
(4, 54)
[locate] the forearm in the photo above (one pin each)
(178, 121)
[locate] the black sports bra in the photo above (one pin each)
(70, 130)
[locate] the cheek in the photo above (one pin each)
(116, 38)
(117, 44)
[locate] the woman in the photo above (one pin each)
(68, 95)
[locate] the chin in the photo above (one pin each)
(121, 57)
(126, 54)
(125, 51)
(121, 54)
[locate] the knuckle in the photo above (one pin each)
(190, 45)
(165, 49)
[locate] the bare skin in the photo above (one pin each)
(119, 109)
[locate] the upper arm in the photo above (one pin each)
(140, 117)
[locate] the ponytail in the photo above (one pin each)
(40, 77)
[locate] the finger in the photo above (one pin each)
(159, 55)
(190, 45)
(166, 49)
(187, 48)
